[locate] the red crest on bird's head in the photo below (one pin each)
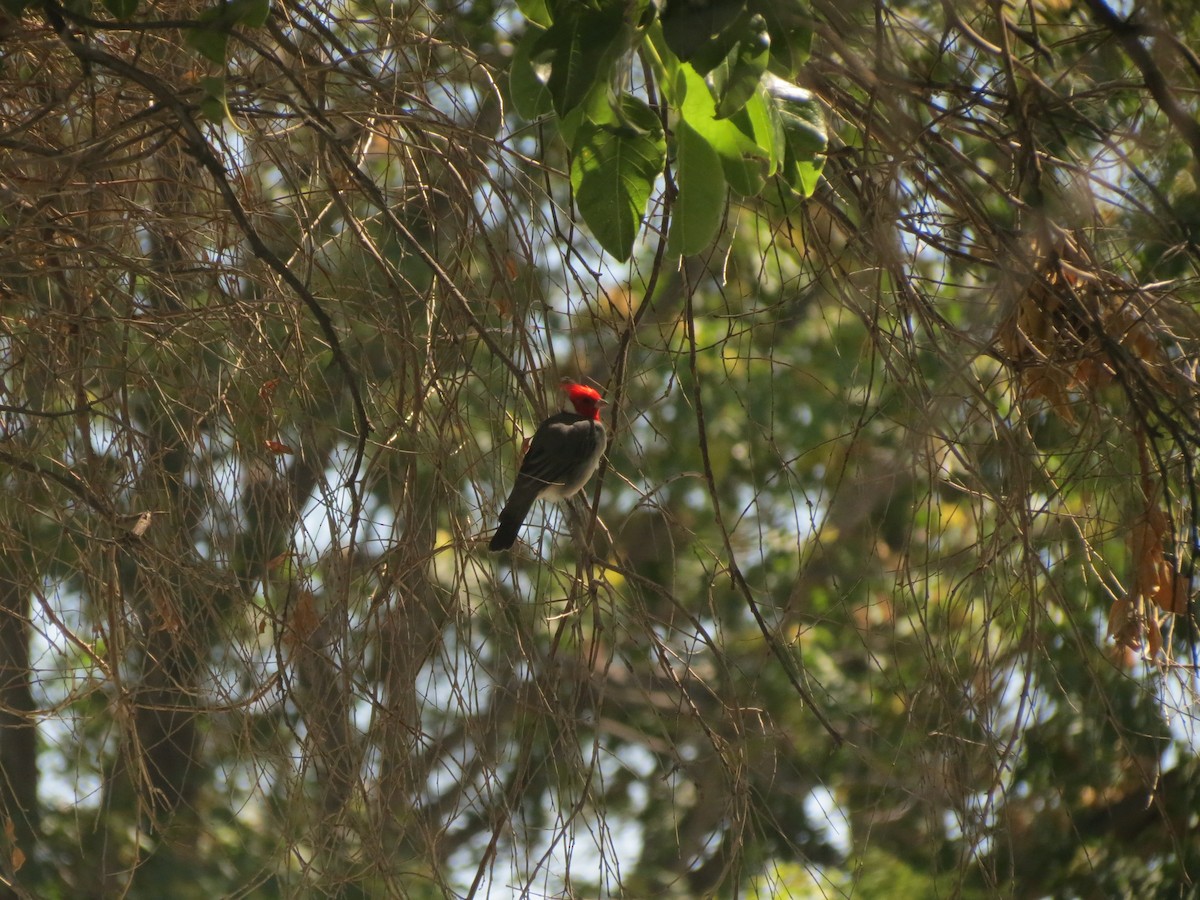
(587, 401)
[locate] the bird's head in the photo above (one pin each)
(587, 401)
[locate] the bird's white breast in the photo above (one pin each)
(570, 487)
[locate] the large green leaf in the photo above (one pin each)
(789, 22)
(580, 46)
(596, 107)
(744, 162)
(802, 175)
(804, 131)
(530, 96)
(745, 67)
(613, 169)
(801, 117)
(535, 11)
(209, 41)
(705, 33)
(697, 29)
(700, 207)
(209, 36)
(759, 120)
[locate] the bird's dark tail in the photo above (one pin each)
(512, 517)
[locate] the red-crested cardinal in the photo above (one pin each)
(563, 454)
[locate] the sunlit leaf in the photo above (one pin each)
(613, 169)
(801, 116)
(700, 207)
(802, 175)
(744, 162)
(535, 11)
(759, 120)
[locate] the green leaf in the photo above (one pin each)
(759, 120)
(14, 7)
(664, 65)
(746, 175)
(637, 114)
(803, 127)
(210, 42)
(530, 96)
(791, 35)
(214, 106)
(121, 9)
(746, 70)
(251, 13)
(613, 169)
(801, 116)
(596, 107)
(535, 11)
(644, 13)
(698, 108)
(581, 45)
(700, 207)
(744, 162)
(209, 36)
(802, 175)
(696, 29)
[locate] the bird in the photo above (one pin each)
(563, 453)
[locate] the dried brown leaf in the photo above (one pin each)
(303, 621)
(1122, 626)
(1173, 592)
(1154, 640)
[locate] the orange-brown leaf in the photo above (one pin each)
(1154, 639)
(1172, 595)
(1145, 547)
(1157, 520)
(1141, 343)
(303, 621)
(1122, 626)
(1092, 374)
